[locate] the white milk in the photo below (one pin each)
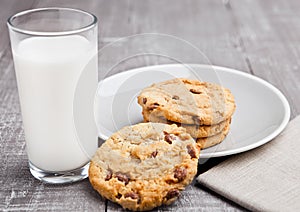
(48, 71)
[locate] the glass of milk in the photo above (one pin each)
(55, 60)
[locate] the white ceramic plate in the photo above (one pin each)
(262, 110)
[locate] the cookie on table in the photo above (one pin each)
(196, 131)
(188, 101)
(144, 166)
(213, 140)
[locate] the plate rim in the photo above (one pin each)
(279, 94)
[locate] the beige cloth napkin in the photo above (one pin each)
(264, 179)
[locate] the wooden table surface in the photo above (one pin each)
(260, 37)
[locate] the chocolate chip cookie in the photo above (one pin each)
(144, 166)
(213, 140)
(188, 101)
(196, 131)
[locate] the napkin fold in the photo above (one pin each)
(264, 179)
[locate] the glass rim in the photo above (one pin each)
(87, 27)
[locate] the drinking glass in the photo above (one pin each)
(55, 60)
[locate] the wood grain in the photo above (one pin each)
(257, 37)
(270, 32)
(9, 8)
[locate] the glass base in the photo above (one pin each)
(60, 177)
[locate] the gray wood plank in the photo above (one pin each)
(205, 24)
(270, 32)
(8, 8)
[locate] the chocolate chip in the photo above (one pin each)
(170, 181)
(195, 91)
(132, 195)
(180, 173)
(122, 177)
(168, 137)
(144, 100)
(108, 176)
(154, 154)
(170, 122)
(119, 196)
(191, 151)
(153, 106)
(172, 194)
(175, 97)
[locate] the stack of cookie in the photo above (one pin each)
(204, 109)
